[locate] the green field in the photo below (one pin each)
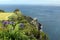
(14, 31)
(4, 16)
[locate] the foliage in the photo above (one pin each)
(2, 11)
(13, 31)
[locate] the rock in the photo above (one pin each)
(31, 28)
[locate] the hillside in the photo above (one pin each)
(4, 16)
(19, 27)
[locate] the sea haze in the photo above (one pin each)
(48, 16)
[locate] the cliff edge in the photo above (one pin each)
(20, 27)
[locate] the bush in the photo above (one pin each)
(20, 28)
(2, 11)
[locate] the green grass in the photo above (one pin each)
(4, 16)
(29, 32)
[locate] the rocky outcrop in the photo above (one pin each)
(20, 27)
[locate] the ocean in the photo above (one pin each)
(48, 16)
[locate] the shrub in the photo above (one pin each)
(2, 11)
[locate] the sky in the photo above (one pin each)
(31, 2)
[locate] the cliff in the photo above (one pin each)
(19, 27)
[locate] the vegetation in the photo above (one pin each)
(18, 27)
(2, 11)
(4, 16)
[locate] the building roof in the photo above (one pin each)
(4, 16)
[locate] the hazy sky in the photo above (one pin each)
(31, 2)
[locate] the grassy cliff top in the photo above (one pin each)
(19, 27)
(4, 16)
